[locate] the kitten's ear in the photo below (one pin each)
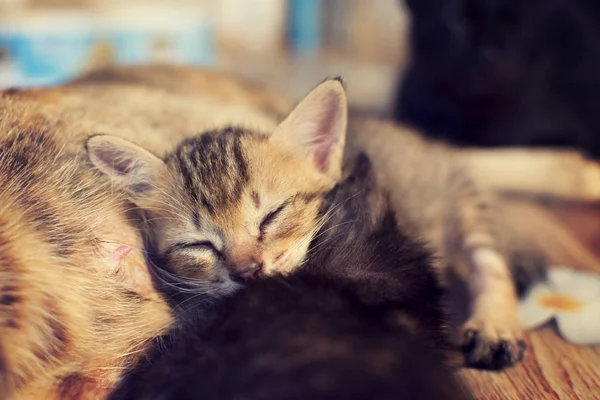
(317, 127)
(129, 166)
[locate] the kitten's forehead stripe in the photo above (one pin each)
(196, 218)
(214, 168)
(256, 199)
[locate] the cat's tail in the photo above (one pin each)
(553, 174)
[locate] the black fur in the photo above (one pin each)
(505, 72)
(361, 320)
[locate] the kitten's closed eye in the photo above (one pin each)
(271, 217)
(203, 245)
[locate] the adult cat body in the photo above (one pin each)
(362, 318)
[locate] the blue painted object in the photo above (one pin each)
(48, 49)
(54, 47)
(50, 58)
(191, 45)
(141, 34)
(305, 25)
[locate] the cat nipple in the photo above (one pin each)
(122, 252)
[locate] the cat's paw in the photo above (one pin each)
(488, 345)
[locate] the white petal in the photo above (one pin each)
(582, 327)
(531, 312)
(580, 284)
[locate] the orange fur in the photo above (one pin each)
(66, 308)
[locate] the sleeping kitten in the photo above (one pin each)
(232, 205)
(361, 319)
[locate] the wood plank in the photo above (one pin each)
(553, 369)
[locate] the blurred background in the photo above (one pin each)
(472, 72)
(289, 45)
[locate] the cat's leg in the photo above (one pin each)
(491, 337)
(556, 174)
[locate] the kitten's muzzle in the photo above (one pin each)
(241, 273)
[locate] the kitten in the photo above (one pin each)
(435, 196)
(228, 206)
(361, 319)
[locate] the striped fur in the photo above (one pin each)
(436, 195)
(229, 183)
(69, 320)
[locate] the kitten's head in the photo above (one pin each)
(231, 205)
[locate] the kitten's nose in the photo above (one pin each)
(246, 271)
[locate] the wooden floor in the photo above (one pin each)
(552, 368)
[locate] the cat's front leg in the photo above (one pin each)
(492, 337)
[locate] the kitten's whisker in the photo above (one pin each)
(181, 309)
(332, 227)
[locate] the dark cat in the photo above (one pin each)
(361, 319)
(504, 72)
